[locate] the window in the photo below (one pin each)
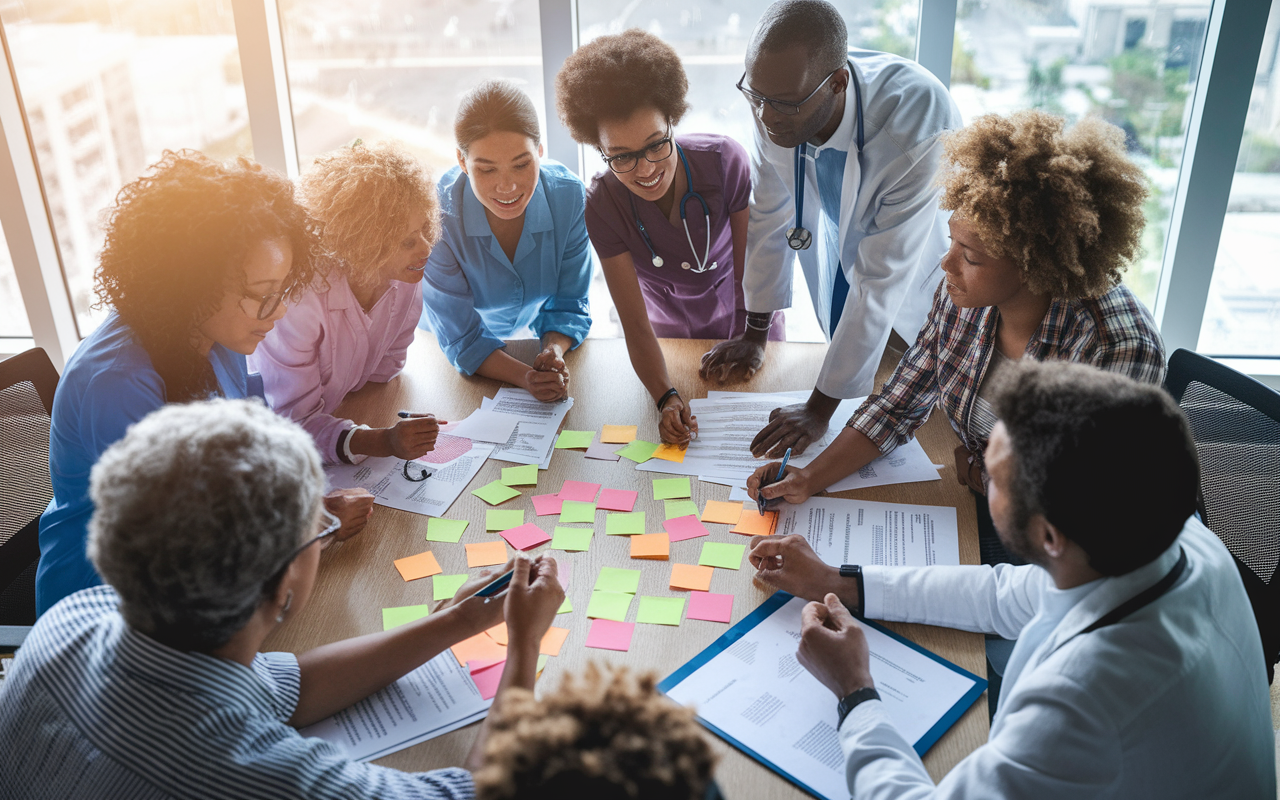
(13, 314)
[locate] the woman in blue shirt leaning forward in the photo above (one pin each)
(514, 252)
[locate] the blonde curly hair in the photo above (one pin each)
(606, 734)
(1065, 204)
(362, 196)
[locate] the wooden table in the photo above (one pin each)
(357, 578)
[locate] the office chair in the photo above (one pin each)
(27, 382)
(1235, 421)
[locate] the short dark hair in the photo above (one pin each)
(495, 106)
(613, 76)
(815, 25)
(1106, 460)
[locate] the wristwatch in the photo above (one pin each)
(851, 701)
(855, 571)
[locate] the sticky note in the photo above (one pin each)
(565, 608)
(444, 587)
(719, 554)
(498, 633)
(609, 605)
(687, 576)
(680, 508)
(552, 641)
(487, 676)
(574, 511)
(613, 579)
(577, 490)
(419, 566)
(500, 519)
(495, 492)
(752, 524)
(526, 537)
(603, 452)
(544, 504)
(395, 617)
(617, 500)
(682, 528)
(722, 512)
(577, 539)
(710, 607)
(630, 524)
(609, 635)
(480, 647)
(671, 488)
(618, 434)
(486, 554)
(445, 530)
(638, 451)
(574, 440)
(660, 610)
(526, 475)
(670, 452)
(655, 546)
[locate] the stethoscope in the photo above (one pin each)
(799, 237)
(701, 265)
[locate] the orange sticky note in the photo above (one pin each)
(656, 546)
(480, 647)
(670, 452)
(498, 633)
(689, 576)
(723, 512)
(752, 524)
(618, 434)
(421, 565)
(552, 641)
(486, 554)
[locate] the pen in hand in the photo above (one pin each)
(761, 502)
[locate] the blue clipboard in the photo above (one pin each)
(766, 609)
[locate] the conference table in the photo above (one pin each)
(357, 579)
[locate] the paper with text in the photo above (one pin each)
(451, 466)
(866, 532)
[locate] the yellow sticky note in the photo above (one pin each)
(422, 565)
(486, 554)
(653, 546)
(693, 578)
(670, 452)
(753, 524)
(618, 434)
(722, 512)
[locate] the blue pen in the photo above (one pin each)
(762, 503)
(496, 586)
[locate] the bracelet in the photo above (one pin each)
(347, 455)
(855, 571)
(762, 317)
(662, 401)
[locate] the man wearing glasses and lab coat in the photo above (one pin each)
(859, 133)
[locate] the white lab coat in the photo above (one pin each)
(892, 233)
(1170, 702)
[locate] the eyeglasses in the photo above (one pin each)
(757, 100)
(625, 162)
(419, 473)
(267, 303)
(324, 537)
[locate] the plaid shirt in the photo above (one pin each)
(949, 360)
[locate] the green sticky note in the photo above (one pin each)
(638, 451)
(628, 524)
(444, 587)
(542, 663)
(609, 605)
(395, 617)
(574, 440)
(719, 554)
(577, 539)
(445, 530)
(669, 488)
(501, 519)
(660, 610)
(577, 511)
(613, 579)
(565, 607)
(681, 508)
(495, 492)
(520, 476)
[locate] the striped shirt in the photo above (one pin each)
(94, 709)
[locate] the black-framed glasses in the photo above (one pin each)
(625, 162)
(757, 100)
(267, 303)
(418, 473)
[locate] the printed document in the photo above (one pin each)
(534, 438)
(865, 532)
(450, 467)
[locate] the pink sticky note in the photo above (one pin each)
(606, 634)
(617, 500)
(486, 677)
(544, 504)
(564, 569)
(711, 607)
(681, 528)
(526, 537)
(577, 490)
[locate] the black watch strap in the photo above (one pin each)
(662, 401)
(855, 571)
(853, 700)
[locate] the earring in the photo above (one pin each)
(288, 601)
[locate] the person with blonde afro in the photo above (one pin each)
(379, 218)
(1045, 218)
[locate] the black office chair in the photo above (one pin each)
(1235, 421)
(27, 382)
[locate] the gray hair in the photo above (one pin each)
(815, 25)
(196, 510)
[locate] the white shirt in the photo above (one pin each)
(892, 233)
(1169, 702)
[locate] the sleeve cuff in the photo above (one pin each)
(873, 593)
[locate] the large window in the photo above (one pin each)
(13, 314)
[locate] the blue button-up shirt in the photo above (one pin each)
(94, 709)
(475, 296)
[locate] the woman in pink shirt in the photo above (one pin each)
(379, 217)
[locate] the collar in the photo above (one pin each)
(845, 137)
(339, 295)
(537, 215)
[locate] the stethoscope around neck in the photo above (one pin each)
(700, 265)
(799, 237)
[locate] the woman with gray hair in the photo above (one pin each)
(207, 528)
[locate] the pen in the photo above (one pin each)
(761, 503)
(497, 585)
(411, 415)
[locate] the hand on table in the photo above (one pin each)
(793, 488)
(833, 647)
(795, 426)
(352, 507)
(721, 362)
(413, 437)
(549, 379)
(533, 598)
(476, 614)
(678, 425)
(789, 563)
(969, 469)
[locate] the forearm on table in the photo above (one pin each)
(374, 442)
(647, 360)
(499, 366)
(556, 338)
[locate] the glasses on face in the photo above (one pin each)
(625, 162)
(267, 303)
(757, 100)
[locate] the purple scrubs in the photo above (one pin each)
(682, 304)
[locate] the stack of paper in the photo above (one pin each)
(535, 434)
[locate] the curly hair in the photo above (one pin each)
(176, 240)
(361, 197)
(495, 106)
(605, 734)
(614, 76)
(1065, 204)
